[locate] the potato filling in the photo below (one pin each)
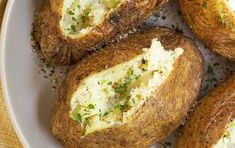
(228, 140)
(232, 4)
(111, 97)
(80, 16)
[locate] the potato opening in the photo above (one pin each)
(80, 16)
(112, 97)
(228, 139)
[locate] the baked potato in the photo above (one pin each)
(68, 30)
(213, 22)
(212, 124)
(131, 94)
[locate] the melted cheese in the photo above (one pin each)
(228, 140)
(111, 97)
(80, 16)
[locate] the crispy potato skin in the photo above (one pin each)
(60, 49)
(213, 22)
(157, 118)
(209, 121)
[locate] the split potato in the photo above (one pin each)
(212, 124)
(213, 22)
(68, 30)
(131, 94)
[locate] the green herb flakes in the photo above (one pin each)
(78, 117)
(110, 83)
(73, 28)
(91, 106)
(71, 13)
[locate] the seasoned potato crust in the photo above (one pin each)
(213, 22)
(158, 117)
(209, 121)
(63, 49)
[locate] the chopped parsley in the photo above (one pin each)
(137, 77)
(73, 28)
(91, 106)
(71, 13)
(78, 117)
(74, 19)
(157, 14)
(210, 70)
(83, 17)
(110, 83)
(88, 122)
(105, 114)
(133, 100)
(121, 88)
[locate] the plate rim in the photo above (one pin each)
(4, 84)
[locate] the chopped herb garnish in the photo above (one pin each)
(157, 14)
(121, 88)
(91, 106)
(78, 6)
(85, 114)
(210, 70)
(83, 17)
(48, 65)
(86, 13)
(110, 83)
(74, 19)
(73, 28)
(130, 72)
(71, 13)
(133, 100)
(78, 117)
(105, 114)
(137, 77)
(88, 122)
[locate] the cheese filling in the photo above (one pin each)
(80, 16)
(113, 96)
(228, 140)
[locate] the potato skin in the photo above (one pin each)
(209, 121)
(158, 117)
(60, 49)
(213, 23)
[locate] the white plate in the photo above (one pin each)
(30, 97)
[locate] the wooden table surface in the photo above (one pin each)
(8, 138)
